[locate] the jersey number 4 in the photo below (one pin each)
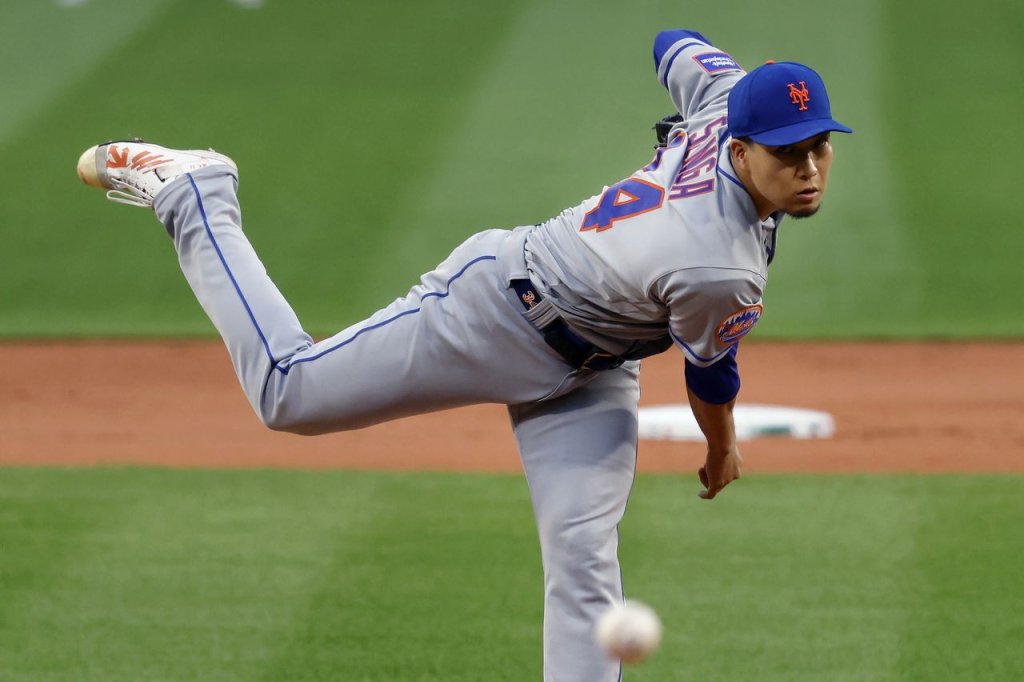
(625, 199)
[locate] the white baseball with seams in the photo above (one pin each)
(629, 632)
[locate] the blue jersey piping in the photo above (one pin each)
(682, 343)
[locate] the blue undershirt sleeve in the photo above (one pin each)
(718, 383)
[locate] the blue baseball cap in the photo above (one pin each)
(781, 103)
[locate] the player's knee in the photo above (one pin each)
(581, 548)
(288, 422)
(302, 427)
(276, 423)
(297, 428)
(587, 574)
(305, 424)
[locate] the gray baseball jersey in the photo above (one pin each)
(677, 248)
(674, 251)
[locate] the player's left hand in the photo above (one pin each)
(719, 470)
(664, 126)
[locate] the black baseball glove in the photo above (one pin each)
(662, 127)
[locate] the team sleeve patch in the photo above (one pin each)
(664, 41)
(716, 62)
(735, 326)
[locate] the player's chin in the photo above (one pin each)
(802, 211)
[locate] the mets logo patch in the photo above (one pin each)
(716, 62)
(736, 326)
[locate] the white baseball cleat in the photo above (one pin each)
(136, 172)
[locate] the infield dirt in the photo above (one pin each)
(899, 407)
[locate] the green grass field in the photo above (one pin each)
(146, 574)
(373, 137)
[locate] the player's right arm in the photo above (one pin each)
(723, 463)
(710, 310)
(697, 75)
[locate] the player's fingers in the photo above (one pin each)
(702, 474)
(713, 490)
(710, 488)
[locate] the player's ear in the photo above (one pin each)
(740, 152)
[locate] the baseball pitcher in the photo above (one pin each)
(550, 319)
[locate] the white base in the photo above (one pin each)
(676, 422)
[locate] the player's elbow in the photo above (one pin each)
(664, 41)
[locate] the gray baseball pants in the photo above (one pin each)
(458, 337)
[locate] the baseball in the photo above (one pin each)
(629, 632)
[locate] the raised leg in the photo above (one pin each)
(455, 339)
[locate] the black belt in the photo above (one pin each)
(577, 351)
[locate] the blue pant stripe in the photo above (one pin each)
(227, 269)
(432, 294)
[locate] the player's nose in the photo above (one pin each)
(807, 168)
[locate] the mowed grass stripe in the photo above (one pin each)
(556, 115)
(948, 109)
(48, 525)
(969, 591)
(781, 579)
(154, 574)
(73, 39)
(818, 285)
(331, 127)
(178, 575)
(443, 586)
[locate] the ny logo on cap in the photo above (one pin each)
(800, 96)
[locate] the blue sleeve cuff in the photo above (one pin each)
(667, 39)
(718, 383)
